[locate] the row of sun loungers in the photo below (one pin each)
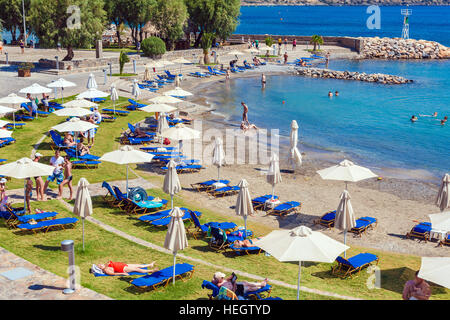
(363, 224)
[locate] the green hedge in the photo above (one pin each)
(153, 46)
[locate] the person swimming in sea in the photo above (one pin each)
(434, 115)
(330, 94)
(414, 118)
(336, 93)
(442, 122)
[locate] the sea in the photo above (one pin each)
(370, 123)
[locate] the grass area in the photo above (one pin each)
(106, 140)
(124, 74)
(396, 269)
(43, 249)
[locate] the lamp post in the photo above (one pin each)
(67, 246)
(6, 53)
(104, 73)
(57, 63)
(110, 69)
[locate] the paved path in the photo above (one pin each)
(35, 283)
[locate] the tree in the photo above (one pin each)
(207, 40)
(316, 40)
(11, 14)
(169, 18)
(76, 29)
(115, 12)
(220, 17)
(136, 14)
(123, 58)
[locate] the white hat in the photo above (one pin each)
(218, 275)
(2, 180)
(38, 155)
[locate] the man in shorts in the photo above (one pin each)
(67, 176)
(56, 161)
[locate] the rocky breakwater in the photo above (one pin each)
(397, 48)
(348, 75)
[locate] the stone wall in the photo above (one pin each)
(346, 42)
(346, 75)
(397, 48)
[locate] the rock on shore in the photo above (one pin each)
(397, 48)
(347, 75)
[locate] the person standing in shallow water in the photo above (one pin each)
(245, 114)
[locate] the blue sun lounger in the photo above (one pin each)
(446, 241)
(215, 72)
(48, 224)
(172, 76)
(73, 154)
(202, 229)
(206, 185)
(153, 149)
(261, 201)
(186, 168)
(23, 117)
(98, 100)
(246, 250)
(164, 276)
(158, 215)
(354, 264)
(363, 224)
(286, 208)
(39, 112)
(133, 130)
(57, 140)
(327, 220)
(86, 164)
(136, 104)
(17, 125)
(260, 294)
(114, 201)
(220, 240)
(164, 222)
(225, 191)
(17, 219)
(199, 74)
(119, 112)
(420, 231)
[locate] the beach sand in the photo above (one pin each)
(396, 203)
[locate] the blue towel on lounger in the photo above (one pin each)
(47, 223)
(160, 276)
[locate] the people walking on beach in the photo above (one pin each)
(56, 161)
(22, 46)
(294, 44)
(39, 181)
(244, 114)
(414, 118)
(285, 57)
(28, 193)
(67, 176)
(416, 289)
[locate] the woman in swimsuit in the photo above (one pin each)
(119, 268)
(220, 280)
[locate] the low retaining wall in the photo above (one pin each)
(346, 42)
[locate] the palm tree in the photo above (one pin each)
(316, 40)
(207, 40)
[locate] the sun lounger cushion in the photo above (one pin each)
(161, 276)
(157, 215)
(47, 223)
(329, 216)
(358, 261)
(286, 206)
(166, 220)
(37, 216)
(423, 227)
(239, 249)
(364, 222)
(221, 225)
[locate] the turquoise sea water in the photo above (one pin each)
(368, 121)
(426, 22)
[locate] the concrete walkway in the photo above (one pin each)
(20, 279)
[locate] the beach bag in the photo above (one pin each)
(166, 141)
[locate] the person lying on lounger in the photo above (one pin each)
(244, 243)
(119, 268)
(68, 140)
(241, 287)
(138, 133)
(81, 148)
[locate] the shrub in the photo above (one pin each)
(26, 66)
(153, 46)
(268, 41)
(123, 58)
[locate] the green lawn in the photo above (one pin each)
(43, 249)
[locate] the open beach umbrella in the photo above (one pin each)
(4, 110)
(25, 168)
(301, 244)
(73, 112)
(180, 132)
(4, 133)
(92, 94)
(165, 99)
(74, 124)
(218, 156)
(127, 155)
(235, 53)
(79, 103)
(35, 89)
(274, 175)
(295, 157)
(159, 107)
(436, 270)
(178, 92)
(114, 96)
(136, 92)
(3, 123)
(440, 221)
(443, 198)
(83, 203)
(13, 99)
(345, 218)
(346, 171)
(171, 182)
(91, 82)
(244, 206)
(61, 83)
(176, 239)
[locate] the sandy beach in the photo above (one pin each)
(395, 203)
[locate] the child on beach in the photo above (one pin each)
(67, 176)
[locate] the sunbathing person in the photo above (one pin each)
(244, 243)
(172, 117)
(81, 148)
(241, 287)
(68, 140)
(119, 268)
(138, 133)
(245, 127)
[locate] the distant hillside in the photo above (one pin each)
(344, 2)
